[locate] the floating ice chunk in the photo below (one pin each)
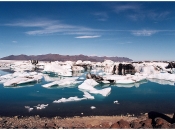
(104, 92)
(88, 96)
(70, 99)
(125, 81)
(91, 82)
(29, 108)
(92, 107)
(63, 82)
(50, 84)
(7, 76)
(125, 85)
(163, 82)
(116, 102)
(106, 82)
(87, 85)
(14, 81)
(41, 106)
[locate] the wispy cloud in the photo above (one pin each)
(126, 7)
(45, 26)
(144, 32)
(14, 41)
(137, 11)
(95, 36)
(101, 16)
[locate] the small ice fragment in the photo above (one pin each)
(92, 107)
(30, 109)
(41, 106)
(116, 102)
(27, 107)
(37, 91)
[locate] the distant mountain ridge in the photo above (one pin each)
(57, 57)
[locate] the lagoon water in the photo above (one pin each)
(149, 96)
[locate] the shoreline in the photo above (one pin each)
(147, 121)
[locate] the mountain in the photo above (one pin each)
(57, 57)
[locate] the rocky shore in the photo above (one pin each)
(149, 121)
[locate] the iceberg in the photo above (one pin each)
(18, 78)
(64, 70)
(70, 99)
(88, 85)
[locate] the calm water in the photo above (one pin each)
(147, 97)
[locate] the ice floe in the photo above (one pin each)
(41, 106)
(88, 85)
(18, 78)
(28, 108)
(70, 99)
(63, 82)
(88, 96)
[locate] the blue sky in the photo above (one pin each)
(137, 30)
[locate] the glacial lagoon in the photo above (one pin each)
(132, 99)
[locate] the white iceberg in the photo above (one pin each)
(88, 85)
(70, 99)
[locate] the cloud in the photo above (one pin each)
(95, 36)
(101, 16)
(144, 32)
(139, 11)
(14, 41)
(126, 7)
(45, 26)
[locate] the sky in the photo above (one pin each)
(137, 30)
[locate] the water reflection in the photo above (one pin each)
(137, 84)
(163, 82)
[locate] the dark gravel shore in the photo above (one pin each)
(149, 121)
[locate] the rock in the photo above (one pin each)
(115, 126)
(172, 126)
(50, 125)
(147, 123)
(105, 125)
(95, 123)
(161, 123)
(135, 124)
(123, 124)
(89, 126)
